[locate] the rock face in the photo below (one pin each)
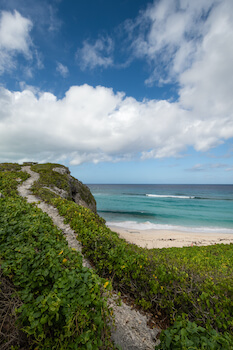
(79, 192)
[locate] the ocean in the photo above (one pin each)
(195, 208)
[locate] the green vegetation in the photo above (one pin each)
(49, 178)
(9, 174)
(11, 337)
(195, 281)
(64, 181)
(187, 335)
(63, 303)
(10, 167)
(190, 288)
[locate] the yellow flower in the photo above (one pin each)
(123, 266)
(106, 284)
(74, 249)
(64, 260)
(60, 252)
(140, 266)
(161, 287)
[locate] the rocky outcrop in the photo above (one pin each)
(79, 192)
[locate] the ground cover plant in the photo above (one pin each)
(10, 167)
(11, 337)
(196, 281)
(49, 178)
(192, 282)
(62, 302)
(10, 177)
(185, 335)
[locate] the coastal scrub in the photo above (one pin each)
(195, 281)
(62, 303)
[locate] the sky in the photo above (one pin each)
(127, 91)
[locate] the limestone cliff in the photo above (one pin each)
(79, 192)
(57, 179)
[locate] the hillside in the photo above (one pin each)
(194, 283)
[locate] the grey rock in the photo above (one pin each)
(62, 170)
(1, 195)
(58, 191)
(79, 192)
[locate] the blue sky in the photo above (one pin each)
(126, 91)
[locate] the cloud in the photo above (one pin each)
(63, 70)
(95, 55)
(190, 43)
(95, 124)
(197, 167)
(208, 167)
(168, 34)
(206, 87)
(14, 39)
(43, 13)
(186, 42)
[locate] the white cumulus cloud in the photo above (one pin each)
(14, 38)
(95, 124)
(189, 41)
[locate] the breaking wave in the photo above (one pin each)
(170, 196)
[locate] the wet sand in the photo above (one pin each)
(166, 239)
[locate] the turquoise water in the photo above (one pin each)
(183, 207)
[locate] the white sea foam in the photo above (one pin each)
(169, 196)
(150, 226)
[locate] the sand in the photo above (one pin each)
(166, 239)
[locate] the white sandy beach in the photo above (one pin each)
(166, 239)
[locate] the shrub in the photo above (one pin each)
(196, 281)
(8, 182)
(63, 304)
(186, 335)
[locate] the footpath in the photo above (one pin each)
(130, 331)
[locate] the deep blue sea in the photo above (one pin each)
(197, 208)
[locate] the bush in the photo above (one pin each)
(186, 335)
(8, 182)
(196, 281)
(63, 304)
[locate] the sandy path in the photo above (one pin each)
(24, 191)
(166, 239)
(131, 331)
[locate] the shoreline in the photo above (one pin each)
(152, 238)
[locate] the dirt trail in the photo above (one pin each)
(131, 331)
